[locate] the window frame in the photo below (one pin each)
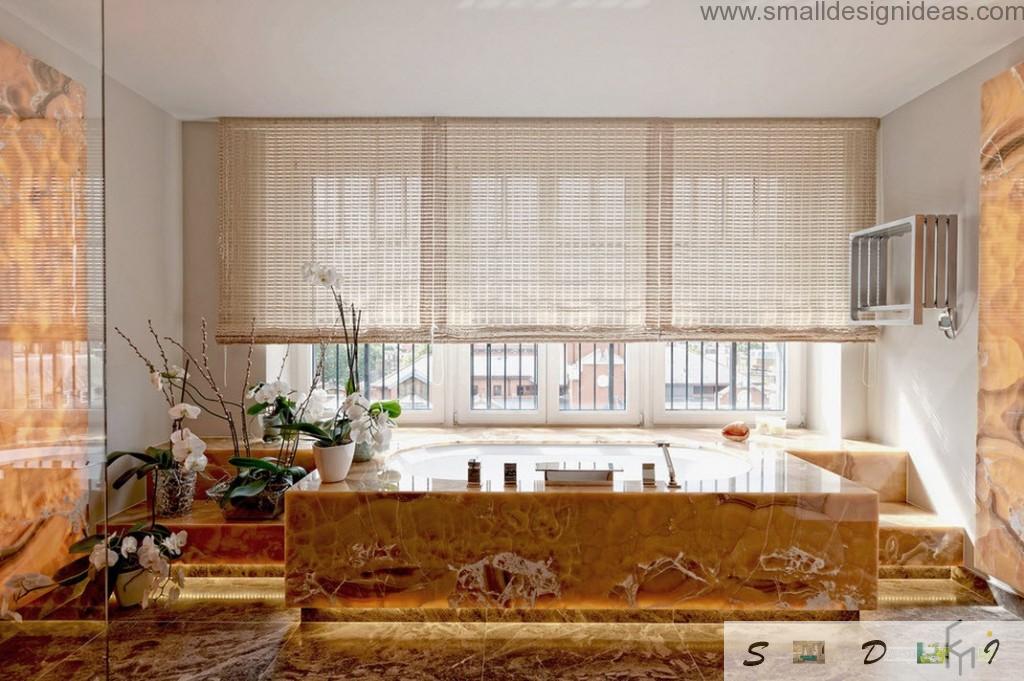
(632, 415)
(451, 401)
(462, 400)
(795, 389)
(298, 372)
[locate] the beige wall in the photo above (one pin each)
(144, 263)
(143, 234)
(923, 388)
(199, 192)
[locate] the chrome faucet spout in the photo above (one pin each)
(672, 484)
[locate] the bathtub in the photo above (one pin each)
(450, 463)
(754, 530)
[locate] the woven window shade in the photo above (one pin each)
(456, 230)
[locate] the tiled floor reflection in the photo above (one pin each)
(229, 630)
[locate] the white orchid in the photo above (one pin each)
(361, 429)
(185, 444)
(318, 405)
(27, 582)
(195, 463)
(184, 410)
(176, 373)
(326, 276)
(355, 406)
(129, 545)
(269, 392)
(174, 542)
(309, 270)
(382, 427)
(157, 380)
(102, 556)
(149, 555)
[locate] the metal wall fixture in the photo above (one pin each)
(900, 268)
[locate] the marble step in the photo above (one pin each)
(909, 536)
(212, 540)
(219, 451)
(877, 467)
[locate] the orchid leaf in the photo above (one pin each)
(392, 407)
(85, 545)
(73, 572)
(249, 489)
(144, 458)
(256, 409)
(124, 478)
(246, 462)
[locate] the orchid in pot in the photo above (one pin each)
(275, 404)
(256, 490)
(134, 564)
(355, 422)
(138, 563)
(174, 468)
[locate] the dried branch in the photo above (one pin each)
(245, 387)
(166, 392)
(204, 370)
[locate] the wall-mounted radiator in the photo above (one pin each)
(902, 267)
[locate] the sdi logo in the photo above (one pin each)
(873, 650)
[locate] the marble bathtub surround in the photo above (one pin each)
(806, 539)
(999, 484)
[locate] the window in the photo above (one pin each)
(729, 376)
(687, 382)
(387, 371)
(593, 377)
(503, 376)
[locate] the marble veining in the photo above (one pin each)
(806, 539)
(999, 484)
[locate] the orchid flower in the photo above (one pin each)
(174, 542)
(184, 410)
(326, 276)
(102, 556)
(360, 430)
(129, 545)
(185, 444)
(355, 406)
(195, 463)
(157, 380)
(149, 555)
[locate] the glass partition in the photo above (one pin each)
(52, 335)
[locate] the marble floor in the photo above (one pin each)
(230, 630)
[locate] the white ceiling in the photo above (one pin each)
(207, 58)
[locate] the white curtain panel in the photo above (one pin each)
(458, 230)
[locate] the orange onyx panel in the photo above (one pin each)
(50, 310)
(581, 549)
(999, 546)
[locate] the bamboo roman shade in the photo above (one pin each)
(459, 229)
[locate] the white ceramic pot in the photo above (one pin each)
(334, 462)
(129, 587)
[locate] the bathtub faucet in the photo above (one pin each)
(672, 484)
